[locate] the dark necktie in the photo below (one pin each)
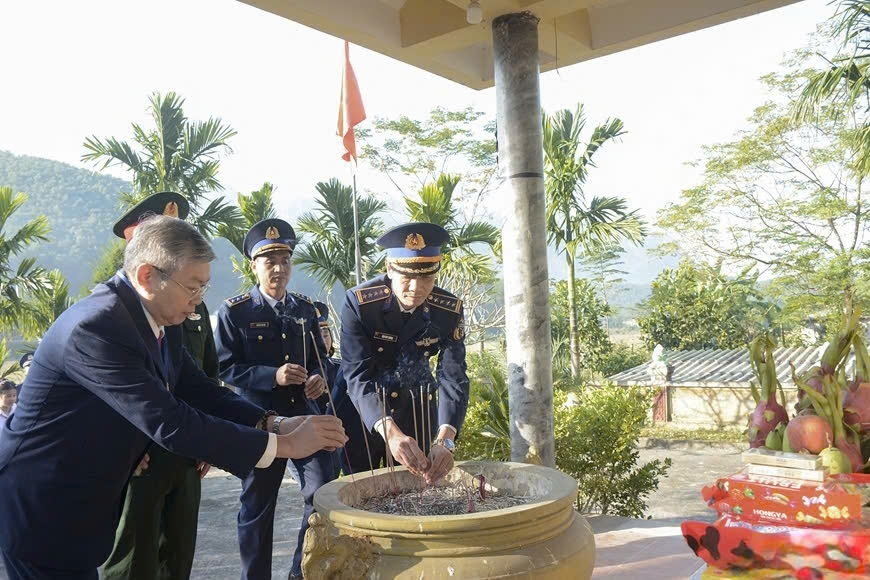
(281, 309)
(406, 316)
(164, 355)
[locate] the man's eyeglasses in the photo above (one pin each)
(194, 292)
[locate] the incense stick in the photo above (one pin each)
(329, 394)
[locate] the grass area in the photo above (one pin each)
(725, 435)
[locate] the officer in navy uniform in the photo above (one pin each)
(266, 340)
(354, 457)
(391, 327)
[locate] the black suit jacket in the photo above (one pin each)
(95, 396)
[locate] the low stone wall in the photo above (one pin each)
(715, 405)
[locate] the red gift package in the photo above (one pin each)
(810, 553)
(834, 503)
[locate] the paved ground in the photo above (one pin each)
(217, 554)
(694, 465)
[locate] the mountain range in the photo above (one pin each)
(81, 207)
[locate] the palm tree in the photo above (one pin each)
(573, 223)
(254, 207)
(6, 370)
(176, 155)
(18, 284)
(461, 259)
(50, 302)
(846, 82)
(329, 253)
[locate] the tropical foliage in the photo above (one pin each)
(592, 339)
(51, 300)
(785, 200)
(176, 154)
(20, 282)
(696, 306)
(6, 369)
(253, 207)
(845, 84)
(575, 223)
(328, 252)
(415, 152)
(462, 259)
(80, 207)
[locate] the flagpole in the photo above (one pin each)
(358, 256)
(350, 113)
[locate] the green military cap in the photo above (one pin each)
(167, 203)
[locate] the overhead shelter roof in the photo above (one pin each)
(711, 367)
(434, 35)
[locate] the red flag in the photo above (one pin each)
(350, 110)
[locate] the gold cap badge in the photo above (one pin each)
(272, 233)
(171, 209)
(415, 242)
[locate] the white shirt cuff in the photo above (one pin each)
(451, 427)
(270, 452)
(381, 427)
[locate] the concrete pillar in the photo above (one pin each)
(524, 238)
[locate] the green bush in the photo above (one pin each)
(596, 431)
(486, 432)
(622, 357)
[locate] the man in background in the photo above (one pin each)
(268, 342)
(8, 396)
(156, 537)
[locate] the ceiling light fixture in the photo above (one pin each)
(474, 13)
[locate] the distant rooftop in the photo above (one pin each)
(711, 367)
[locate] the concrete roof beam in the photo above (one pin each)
(434, 35)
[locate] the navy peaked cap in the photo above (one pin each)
(270, 235)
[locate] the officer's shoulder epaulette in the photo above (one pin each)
(303, 297)
(236, 300)
(445, 302)
(372, 294)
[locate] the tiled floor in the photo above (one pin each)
(630, 549)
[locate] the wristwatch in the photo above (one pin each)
(448, 444)
(276, 424)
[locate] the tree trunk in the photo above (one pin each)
(524, 238)
(572, 317)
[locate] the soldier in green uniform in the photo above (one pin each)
(156, 536)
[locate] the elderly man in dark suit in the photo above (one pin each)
(109, 375)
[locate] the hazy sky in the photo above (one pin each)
(72, 69)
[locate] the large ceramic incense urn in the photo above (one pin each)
(542, 538)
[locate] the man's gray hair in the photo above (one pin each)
(167, 243)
